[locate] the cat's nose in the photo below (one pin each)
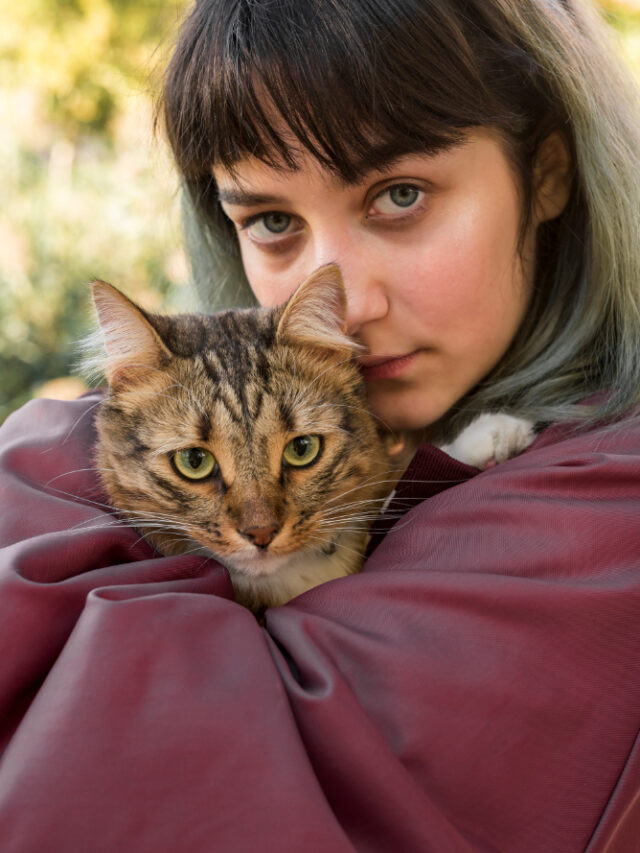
(260, 536)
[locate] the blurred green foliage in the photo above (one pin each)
(85, 190)
(624, 17)
(83, 57)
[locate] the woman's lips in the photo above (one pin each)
(385, 367)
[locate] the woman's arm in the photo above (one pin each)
(476, 687)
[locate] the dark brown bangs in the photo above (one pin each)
(355, 84)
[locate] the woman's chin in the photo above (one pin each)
(398, 414)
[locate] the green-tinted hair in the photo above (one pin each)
(361, 82)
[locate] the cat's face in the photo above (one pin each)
(233, 435)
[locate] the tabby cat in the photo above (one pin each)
(244, 436)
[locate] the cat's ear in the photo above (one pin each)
(133, 347)
(316, 314)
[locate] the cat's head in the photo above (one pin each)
(245, 434)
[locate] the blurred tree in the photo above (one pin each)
(82, 57)
(624, 17)
(84, 189)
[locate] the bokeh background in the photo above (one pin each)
(86, 189)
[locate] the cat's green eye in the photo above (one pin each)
(196, 463)
(302, 450)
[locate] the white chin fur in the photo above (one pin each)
(255, 563)
(270, 581)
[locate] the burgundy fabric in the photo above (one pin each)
(476, 688)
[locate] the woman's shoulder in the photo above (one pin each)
(621, 436)
(571, 498)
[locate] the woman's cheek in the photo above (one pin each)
(270, 286)
(441, 283)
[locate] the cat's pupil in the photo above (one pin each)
(195, 457)
(404, 195)
(301, 445)
(277, 222)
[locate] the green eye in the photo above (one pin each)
(196, 463)
(276, 223)
(403, 195)
(302, 450)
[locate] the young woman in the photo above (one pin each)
(472, 165)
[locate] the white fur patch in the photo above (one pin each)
(491, 438)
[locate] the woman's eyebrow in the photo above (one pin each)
(246, 198)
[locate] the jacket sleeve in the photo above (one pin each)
(476, 688)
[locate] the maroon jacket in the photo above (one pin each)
(476, 688)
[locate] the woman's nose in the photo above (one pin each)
(363, 273)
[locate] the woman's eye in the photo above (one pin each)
(195, 463)
(302, 450)
(266, 226)
(397, 199)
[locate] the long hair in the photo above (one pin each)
(361, 82)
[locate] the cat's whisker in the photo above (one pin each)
(129, 519)
(74, 471)
(365, 510)
(73, 427)
(364, 522)
(361, 518)
(352, 504)
(367, 483)
(163, 525)
(82, 499)
(159, 524)
(98, 525)
(137, 523)
(432, 482)
(397, 527)
(340, 523)
(169, 537)
(361, 515)
(394, 481)
(338, 545)
(199, 549)
(151, 514)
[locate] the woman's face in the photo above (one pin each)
(428, 249)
